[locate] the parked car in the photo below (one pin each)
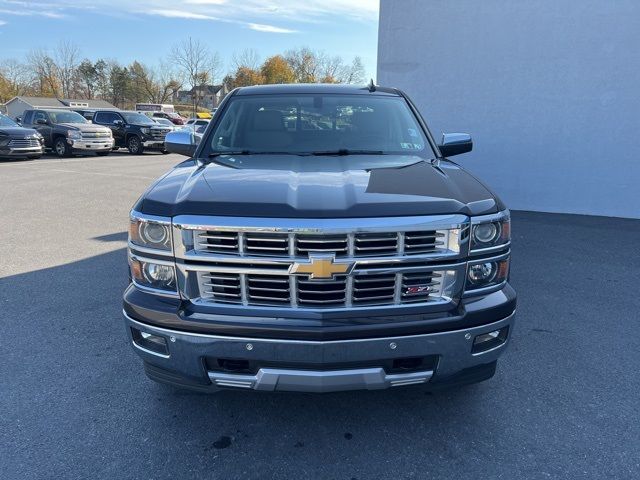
(200, 122)
(167, 123)
(67, 132)
(339, 251)
(173, 117)
(19, 142)
(132, 130)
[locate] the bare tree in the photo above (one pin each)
(198, 65)
(66, 57)
(248, 58)
(14, 79)
(44, 71)
(355, 73)
(304, 63)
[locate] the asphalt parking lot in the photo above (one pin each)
(75, 403)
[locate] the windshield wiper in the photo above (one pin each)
(346, 151)
(231, 152)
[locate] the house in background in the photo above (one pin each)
(17, 105)
(208, 96)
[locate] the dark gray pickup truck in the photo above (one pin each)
(67, 132)
(318, 239)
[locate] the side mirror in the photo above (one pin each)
(41, 121)
(455, 144)
(118, 123)
(182, 142)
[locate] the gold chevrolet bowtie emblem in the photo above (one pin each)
(320, 268)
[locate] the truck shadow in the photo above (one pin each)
(68, 369)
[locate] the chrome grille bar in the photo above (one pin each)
(393, 261)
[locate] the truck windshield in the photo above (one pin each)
(319, 124)
(7, 122)
(66, 117)
(137, 119)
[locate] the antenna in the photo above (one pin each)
(372, 86)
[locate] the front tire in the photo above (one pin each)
(134, 145)
(61, 148)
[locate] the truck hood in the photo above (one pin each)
(18, 132)
(343, 187)
(85, 127)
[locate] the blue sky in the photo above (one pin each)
(146, 29)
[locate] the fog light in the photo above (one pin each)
(153, 275)
(482, 272)
(149, 341)
(489, 341)
(158, 273)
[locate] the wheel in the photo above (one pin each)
(135, 145)
(103, 154)
(62, 148)
(165, 152)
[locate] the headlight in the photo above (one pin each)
(74, 134)
(150, 232)
(4, 139)
(490, 231)
(40, 138)
(160, 276)
(145, 131)
(486, 273)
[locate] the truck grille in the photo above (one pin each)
(92, 135)
(346, 291)
(24, 143)
(341, 245)
(321, 264)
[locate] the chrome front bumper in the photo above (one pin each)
(184, 364)
(92, 145)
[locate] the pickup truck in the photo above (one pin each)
(132, 130)
(67, 132)
(318, 240)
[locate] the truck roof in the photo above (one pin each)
(316, 88)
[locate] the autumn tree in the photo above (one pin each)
(275, 69)
(14, 79)
(45, 73)
(243, 77)
(304, 63)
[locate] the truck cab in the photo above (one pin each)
(318, 239)
(133, 130)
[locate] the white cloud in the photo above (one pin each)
(2, 22)
(181, 14)
(269, 13)
(260, 27)
(32, 13)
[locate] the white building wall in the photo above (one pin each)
(549, 89)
